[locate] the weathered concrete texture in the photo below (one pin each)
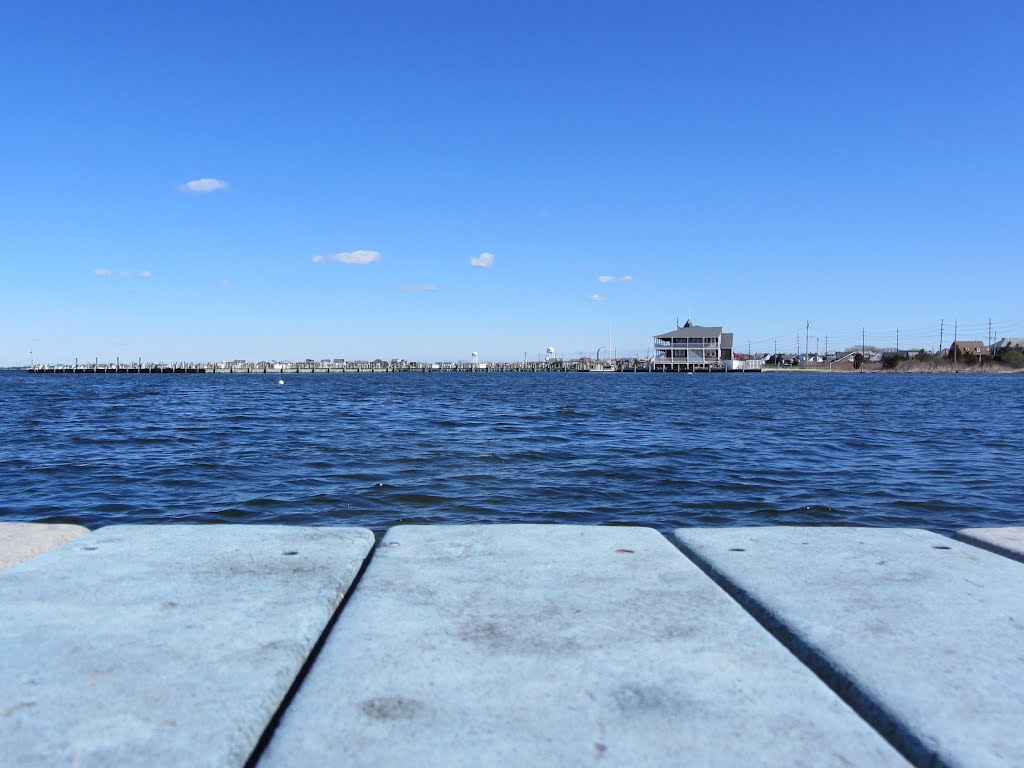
(1008, 542)
(556, 645)
(23, 541)
(163, 645)
(924, 635)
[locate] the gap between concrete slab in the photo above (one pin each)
(885, 723)
(268, 732)
(967, 536)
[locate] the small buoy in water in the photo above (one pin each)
(280, 382)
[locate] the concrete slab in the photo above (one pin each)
(23, 541)
(1008, 542)
(922, 634)
(556, 645)
(165, 644)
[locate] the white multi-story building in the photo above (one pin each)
(698, 348)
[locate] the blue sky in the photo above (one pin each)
(756, 165)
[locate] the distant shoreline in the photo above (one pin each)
(840, 369)
(878, 369)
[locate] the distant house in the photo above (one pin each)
(692, 348)
(975, 348)
(699, 348)
(1006, 344)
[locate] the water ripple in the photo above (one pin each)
(939, 452)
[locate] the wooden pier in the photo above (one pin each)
(236, 645)
(300, 368)
(624, 365)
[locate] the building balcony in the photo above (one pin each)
(686, 345)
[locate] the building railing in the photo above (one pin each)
(691, 355)
(686, 345)
(745, 365)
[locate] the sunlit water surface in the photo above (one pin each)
(934, 451)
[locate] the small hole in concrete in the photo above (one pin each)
(939, 546)
(90, 549)
(737, 549)
(290, 552)
(624, 551)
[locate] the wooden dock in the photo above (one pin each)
(624, 365)
(235, 645)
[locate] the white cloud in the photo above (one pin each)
(349, 257)
(201, 186)
(484, 260)
(431, 288)
(613, 279)
(144, 273)
(357, 257)
(598, 297)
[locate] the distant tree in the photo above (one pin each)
(1013, 358)
(966, 358)
(858, 360)
(890, 361)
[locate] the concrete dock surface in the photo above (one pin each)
(922, 634)
(509, 644)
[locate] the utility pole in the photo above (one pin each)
(990, 331)
(955, 330)
(826, 345)
(807, 334)
(798, 346)
(862, 343)
(897, 341)
(748, 347)
(942, 327)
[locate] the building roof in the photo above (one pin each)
(970, 346)
(1010, 343)
(689, 331)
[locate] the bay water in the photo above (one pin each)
(936, 451)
